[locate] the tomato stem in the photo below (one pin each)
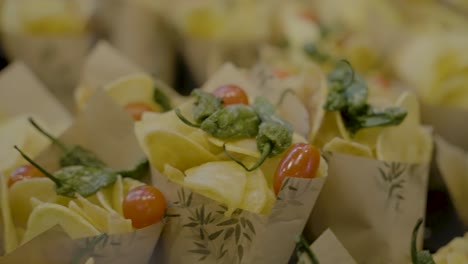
(265, 153)
(185, 120)
(46, 173)
(52, 138)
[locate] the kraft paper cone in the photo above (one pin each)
(198, 230)
(22, 93)
(328, 250)
(371, 206)
(106, 130)
(55, 60)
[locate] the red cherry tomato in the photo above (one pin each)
(137, 109)
(231, 94)
(301, 161)
(281, 74)
(144, 205)
(24, 172)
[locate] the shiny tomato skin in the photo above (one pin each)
(231, 94)
(136, 109)
(24, 172)
(301, 160)
(144, 205)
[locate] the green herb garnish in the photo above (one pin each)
(73, 155)
(419, 257)
(77, 179)
(348, 94)
(162, 99)
(314, 53)
(140, 171)
(302, 246)
(206, 104)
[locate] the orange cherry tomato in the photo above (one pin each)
(24, 172)
(301, 161)
(231, 94)
(281, 74)
(137, 109)
(144, 205)
(309, 15)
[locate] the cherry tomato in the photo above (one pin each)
(24, 172)
(309, 15)
(231, 94)
(281, 74)
(144, 205)
(301, 160)
(137, 109)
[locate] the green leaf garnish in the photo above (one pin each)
(73, 155)
(140, 171)
(419, 257)
(302, 246)
(77, 179)
(162, 99)
(348, 94)
(315, 54)
(206, 104)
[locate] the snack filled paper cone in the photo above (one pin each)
(230, 194)
(93, 222)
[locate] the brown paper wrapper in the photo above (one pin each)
(328, 250)
(198, 230)
(105, 129)
(137, 31)
(22, 93)
(56, 60)
(372, 207)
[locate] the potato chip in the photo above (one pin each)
(246, 147)
(20, 193)
(407, 142)
(203, 139)
(129, 184)
(118, 195)
(133, 88)
(257, 195)
(118, 225)
(165, 147)
(47, 215)
(348, 147)
(104, 196)
(96, 215)
(10, 239)
(328, 129)
(34, 202)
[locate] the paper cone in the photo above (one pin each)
(371, 206)
(55, 60)
(105, 129)
(22, 93)
(328, 250)
(198, 230)
(139, 33)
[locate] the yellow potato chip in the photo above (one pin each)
(118, 224)
(407, 142)
(47, 215)
(21, 192)
(246, 147)
(96, 215)
(348, 147)
(257, 195)
(35, 202)
(341, 126)
(133, 88)
(104, 196)
(129, 184)
(203, 138)
(328, 130)
(118, 195)
(165, 147)
(10, 239)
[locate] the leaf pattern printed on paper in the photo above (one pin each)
(391, 179)
(214, 235)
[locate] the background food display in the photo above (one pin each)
(208, 100)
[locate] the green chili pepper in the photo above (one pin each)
(348, 94)
(162, 99)
(274, 134)
(233, 121)
(206, 104)
(140, 171)
(77, 179)
(302, 246)
(73, 155)
(419, 257)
